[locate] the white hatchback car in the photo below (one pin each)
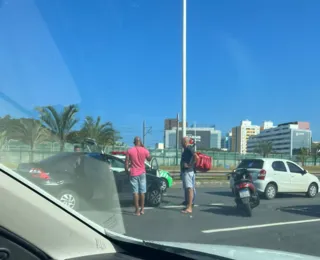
(271, 176)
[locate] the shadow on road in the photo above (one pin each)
(174, 196)
(225, 210)
(306, 210)
(289, 195)
(221, 193)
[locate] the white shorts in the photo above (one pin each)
(188, 179)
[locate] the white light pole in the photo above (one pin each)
(184, 70)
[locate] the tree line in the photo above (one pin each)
(57, 126)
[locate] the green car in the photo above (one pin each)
(153, 168)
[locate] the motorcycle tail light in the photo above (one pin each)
(242, 185)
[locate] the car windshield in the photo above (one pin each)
(257, 164)
(204, 87)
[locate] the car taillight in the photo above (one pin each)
(39, 173)
(262, 175)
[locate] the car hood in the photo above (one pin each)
(235, 252)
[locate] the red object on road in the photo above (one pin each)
(204, 162)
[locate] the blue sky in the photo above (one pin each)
(121, 59)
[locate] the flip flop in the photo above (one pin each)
(142, 212)
(136, 214)
(186, 212)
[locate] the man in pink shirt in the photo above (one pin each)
(135, 161)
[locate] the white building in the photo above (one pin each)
(205, 137)
(241, 134)
(267, 125)
(286, 138)
(159, 146)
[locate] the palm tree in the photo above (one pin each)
(264, 148)
(315, 148)
(30, 132)
(3, 139)
(303, 155)
(4, 122)
(60, 123)
(103, 133)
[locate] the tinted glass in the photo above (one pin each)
(294, 168)
(279, 166)
(256, 164)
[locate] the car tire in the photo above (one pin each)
(312, 190)
(154, 197)
(69, 198)
(270, 192)
(164, 185)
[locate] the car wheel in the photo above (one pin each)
(164, 185)
(270, 192)
(312, 190)
(69, 198)
(154, 197)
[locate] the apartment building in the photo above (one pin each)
(205, 137)
(241, 134)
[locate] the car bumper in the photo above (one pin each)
(52, 188)
(170, 181)
(260, 185)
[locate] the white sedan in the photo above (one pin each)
(271, 176)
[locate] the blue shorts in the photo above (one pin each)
(139, 183)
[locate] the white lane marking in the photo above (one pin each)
(169, 207)
(216, 204)
(162, 207)
(260, 226)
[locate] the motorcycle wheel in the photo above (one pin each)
(247, 209)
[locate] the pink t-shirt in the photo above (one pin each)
(137, 156)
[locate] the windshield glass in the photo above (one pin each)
(202, 86)
(257, 164)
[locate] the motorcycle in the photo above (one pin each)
(246, 195)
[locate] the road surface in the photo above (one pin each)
(289, 222)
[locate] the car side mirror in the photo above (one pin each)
(304, 171)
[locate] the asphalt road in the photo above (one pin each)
(289, 222)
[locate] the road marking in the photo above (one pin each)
(169, 207)
(162, 207)
(175, 206)
(260, 226)
(216, 204)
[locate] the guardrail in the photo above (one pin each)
(213, 174)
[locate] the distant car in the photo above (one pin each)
(74, 176)
(151, 168)
(272, 176)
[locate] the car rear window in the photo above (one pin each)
(256, 164)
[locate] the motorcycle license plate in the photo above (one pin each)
(244, 193)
